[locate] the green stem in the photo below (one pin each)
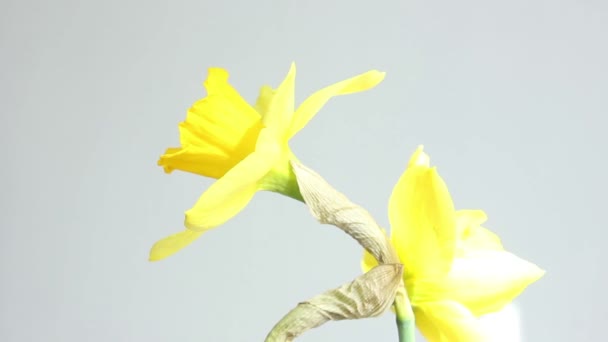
(406, 330)
(406, 326)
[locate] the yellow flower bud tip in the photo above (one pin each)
(419, 158)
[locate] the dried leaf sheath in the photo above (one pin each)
(329, 206)
(367, 296)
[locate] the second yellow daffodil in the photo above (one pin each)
(454, 269)
(244, 147)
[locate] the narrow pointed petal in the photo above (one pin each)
(484, 281)
(281, 104)
(171, 244)
(313, 104)
(231, 193)
(422, 220)
(447, 321)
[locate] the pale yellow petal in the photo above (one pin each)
(264, 99)
(231, 193)
(171, 244)
(468, 218)
(447, 321)
(419, 158)
(484, 281)
(281, 105)
(422, 220)
(313, 103)
(368, 262)
(471, 236)
(479, 239)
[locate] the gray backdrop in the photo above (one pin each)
(507, 96)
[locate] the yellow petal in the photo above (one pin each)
(471, 236)
(465, 219)
(447, 321)
(422, 220)
(219, 131)
(419, 158)
(313, 104)
(281, 104)
(171, 244)
(264, 99)
(478, 239)
(231, 193)
(368, 262)
(484, 281)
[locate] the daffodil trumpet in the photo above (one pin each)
(244, 147)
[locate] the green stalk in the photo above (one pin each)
(406, 330)
(406, 326)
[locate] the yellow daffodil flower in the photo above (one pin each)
(244, 147)
(455, 270)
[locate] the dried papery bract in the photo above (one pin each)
(367, 296)
(329, 206)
